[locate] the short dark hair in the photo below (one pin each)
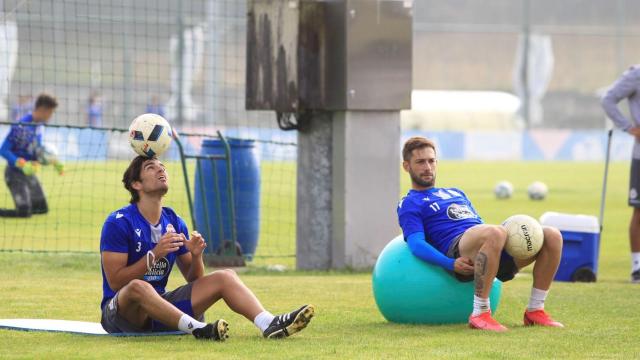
(46, 101)
(416, 142)
(132, 174)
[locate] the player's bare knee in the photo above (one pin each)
(231, 272)
(552, 239)
(495, 237)
(222, 276)
(137, 289)
(230, 276)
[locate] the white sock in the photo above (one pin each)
(188, 324)
(635, 261)
(480, 305)
(536, 301)
(263, 320)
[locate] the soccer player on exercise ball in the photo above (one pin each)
(139, 245)
(441, 227)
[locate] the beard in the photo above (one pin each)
(159, 191)
(423, 183)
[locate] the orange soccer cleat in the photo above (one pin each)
(484, 321)
(539, 317)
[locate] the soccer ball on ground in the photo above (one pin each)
(537, 190)
(150, 135)
(503, 190)
(524, 236)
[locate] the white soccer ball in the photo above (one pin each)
(503, 190)
(537, 190)
(150, 135)
(525, 236)
(47, 154)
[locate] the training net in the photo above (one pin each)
(109, 61)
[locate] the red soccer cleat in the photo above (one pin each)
(541, 318)
(484, 321)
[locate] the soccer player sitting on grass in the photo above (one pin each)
(441, 227)
(139, 245)
(24, 152)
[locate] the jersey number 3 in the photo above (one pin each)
(139, 246)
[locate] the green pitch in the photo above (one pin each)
(600, 317)
(81, 199)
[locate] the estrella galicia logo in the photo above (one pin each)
(158, 271)
(459, 212)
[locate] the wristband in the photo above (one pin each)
(153, 260)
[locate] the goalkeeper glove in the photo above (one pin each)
(59, 167)
(29, 168)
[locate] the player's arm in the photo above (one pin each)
(410, 219)
(115, 257)
(621, 89)
(190, 263)
(5, 151)
(117, 272)
(425, 251)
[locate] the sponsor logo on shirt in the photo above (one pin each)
(138, 232)
(460, 212)
(159, 270)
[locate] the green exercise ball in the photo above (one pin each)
(409, 290)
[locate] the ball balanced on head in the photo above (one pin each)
(150, 135)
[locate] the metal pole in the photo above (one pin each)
(604, 180)
(186, 181)
(216, 187)
(232, 206)
(200, 171)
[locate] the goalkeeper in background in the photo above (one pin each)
(24, 152)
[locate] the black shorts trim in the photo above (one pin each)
(507, 269)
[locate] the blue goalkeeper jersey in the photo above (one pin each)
(23, 141)
(441, 213)
(127, 231)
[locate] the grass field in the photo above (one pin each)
(80, 201)
(600, 317)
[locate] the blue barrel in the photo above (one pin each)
(245, 170)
